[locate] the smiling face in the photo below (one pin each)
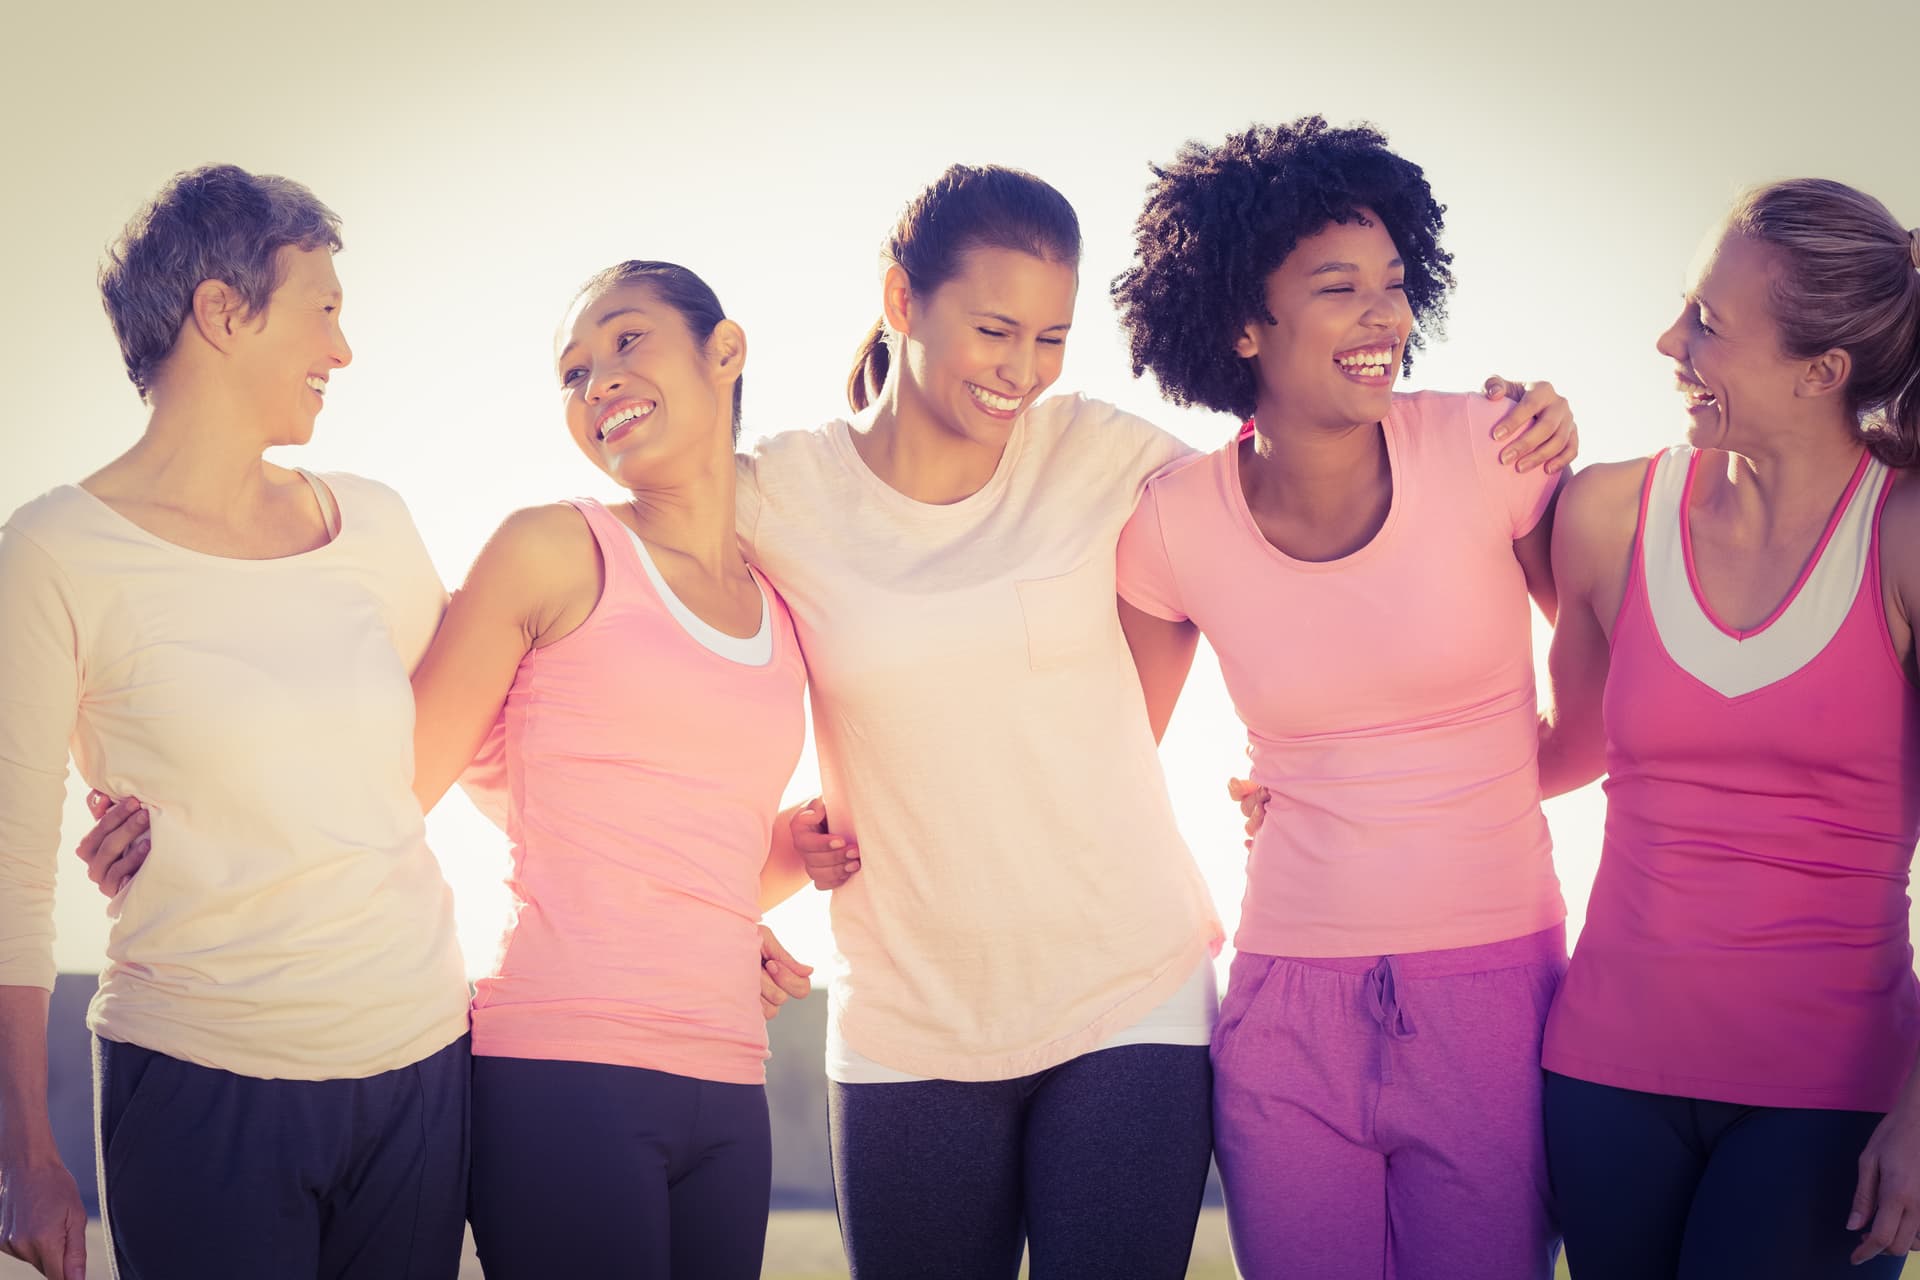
(1725, 345)
(1341, 323)
(642, 396)
(985, 344)
(293, 346)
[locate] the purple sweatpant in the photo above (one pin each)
(1379, 1116)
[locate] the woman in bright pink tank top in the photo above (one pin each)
(1731, 1085)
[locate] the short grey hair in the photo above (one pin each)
(217, 222)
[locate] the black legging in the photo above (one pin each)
(1655, 1187)
(1098, 1164)
(582, 1169)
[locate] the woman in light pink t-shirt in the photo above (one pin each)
(1361, 561)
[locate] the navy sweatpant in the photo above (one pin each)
(584, 1169)
(1098, 1164)
(208, 1175)
(1655, 1187)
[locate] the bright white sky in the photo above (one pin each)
(485, 163)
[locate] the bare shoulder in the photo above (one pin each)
(538, 551)
(1900, 532)
(1600, 505)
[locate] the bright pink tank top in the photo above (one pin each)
(643, 773)
(1746, 940)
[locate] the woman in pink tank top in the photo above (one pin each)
(1731, 1086)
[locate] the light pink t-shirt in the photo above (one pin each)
(643, 773)
(1024, 892)
(1388, 695)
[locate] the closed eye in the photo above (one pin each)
(991, 333)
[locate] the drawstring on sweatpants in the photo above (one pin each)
(1383, 999)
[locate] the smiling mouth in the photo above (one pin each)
(1698, 397)
(622, 420)
(317, 384)
(998, 405)
(1374, 364)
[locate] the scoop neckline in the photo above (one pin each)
(840, 433)
(1371, 549)
(153, 539)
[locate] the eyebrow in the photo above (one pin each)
(601, 323)
(1011, 323)
(1328, 268)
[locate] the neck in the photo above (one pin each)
(1309, 468)
(1791, 477)
(201, 452)
(902, 444)
(693, 514)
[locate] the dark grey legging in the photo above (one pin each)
(1097, 1163)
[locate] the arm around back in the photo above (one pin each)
(1593, 537)
(536, 580)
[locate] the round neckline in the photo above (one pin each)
(149, 536)
(1805, 576)
(1243, 514)
(840, 434)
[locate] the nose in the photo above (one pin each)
(1016, 370)
(1383, 309)
(1673, 343)
(342, 354)
(600, 386)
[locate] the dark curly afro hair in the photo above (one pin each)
(1220, 220)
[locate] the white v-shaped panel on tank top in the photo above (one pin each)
(1729, 664)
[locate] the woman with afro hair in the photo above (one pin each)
(1361, 561)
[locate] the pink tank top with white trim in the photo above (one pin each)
(643, 772)
(1747, 936)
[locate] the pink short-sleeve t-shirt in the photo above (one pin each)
(1388, 695)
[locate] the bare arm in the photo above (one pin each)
(784, 874)
(1535, 554)
(1592, 543)
(1162, 654)
(41, 1218)
(537, 579)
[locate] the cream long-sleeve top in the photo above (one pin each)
(290, 922)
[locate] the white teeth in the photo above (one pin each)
(999, 404)
(318, 384)
(1366, 361)
(624, 416)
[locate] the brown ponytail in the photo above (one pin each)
(870, 365)
(967, 207)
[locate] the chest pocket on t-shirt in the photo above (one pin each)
(1067, 615)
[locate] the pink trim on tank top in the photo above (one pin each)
(1806, 570)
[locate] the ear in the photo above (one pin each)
(218, 312)
(1824, 375)
(727, 348)
(896, 299)
(1247, 345)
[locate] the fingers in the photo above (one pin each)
(1499, 388)
(98, 802)
(830, 860)
(75, 1262)
(1888, 1228)
(1865, 1190)
(116, 830)
(1541, 427)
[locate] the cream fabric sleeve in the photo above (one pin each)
(40, 677)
